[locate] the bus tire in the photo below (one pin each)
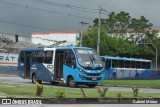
(71, 82)
(34, 78)
(113, 76)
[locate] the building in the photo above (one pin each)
(55, 38)
(133, 35)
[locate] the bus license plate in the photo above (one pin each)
(94, 78)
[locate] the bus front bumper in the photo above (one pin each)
(83, 78)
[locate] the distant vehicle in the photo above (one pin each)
(71, 65)
(122, 67)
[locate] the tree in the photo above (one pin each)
(119, 34)
(114, 46)
(140, 27)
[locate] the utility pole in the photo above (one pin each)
(155, 49)
(82, 23)
(99, 28)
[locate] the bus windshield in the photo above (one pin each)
(89, 59)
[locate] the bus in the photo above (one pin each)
(127, 68)
(71, 65)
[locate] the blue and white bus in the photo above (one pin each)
(71, 65)
(123, 68)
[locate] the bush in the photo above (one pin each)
(119, 94)
(102, 93)
(39, 89)
(135, 91)
(84, 95)
(60, 93)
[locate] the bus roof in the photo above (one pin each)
(53, 48)
(125, 58)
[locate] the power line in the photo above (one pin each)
(27, 36)
(64, 5)
(84, 9)
(43, 10)
(24, 25)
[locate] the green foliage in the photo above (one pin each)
(102, 93)
(114, 46)
(135, 91)
(39, 89)
(119, 94)
(60, 93)
(84, 95)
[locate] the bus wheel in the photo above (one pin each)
(71, 82)
(34, 78)
(113, 76)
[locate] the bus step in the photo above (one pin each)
(60, 81)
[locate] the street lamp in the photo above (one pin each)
(154, 47)
(82, 23)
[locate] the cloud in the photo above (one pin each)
(136, 8)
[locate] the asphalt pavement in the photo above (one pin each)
(14, 79)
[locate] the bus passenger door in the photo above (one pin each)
(59, 65)
(107, 67)
(27, 65)
(21, 62)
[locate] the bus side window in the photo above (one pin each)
(48, 56)
(115, 63)
(39, 58)
(138, 64)
(133, 64)
(69, 59)
(121, 63)
(144, 65)
(108, 63)
(127, 64)
(34, 54)
(148, 65)
(22, 57)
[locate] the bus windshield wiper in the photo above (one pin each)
(95, 60)
(90, 59)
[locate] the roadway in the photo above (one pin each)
(14, 79)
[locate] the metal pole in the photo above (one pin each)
(99, 28)
(81, 40)
(82, 23)
(156, 51)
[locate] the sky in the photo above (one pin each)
(26, 16)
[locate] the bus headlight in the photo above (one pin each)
(81, 70)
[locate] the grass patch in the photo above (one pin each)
(138, 83)
(49, 92)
